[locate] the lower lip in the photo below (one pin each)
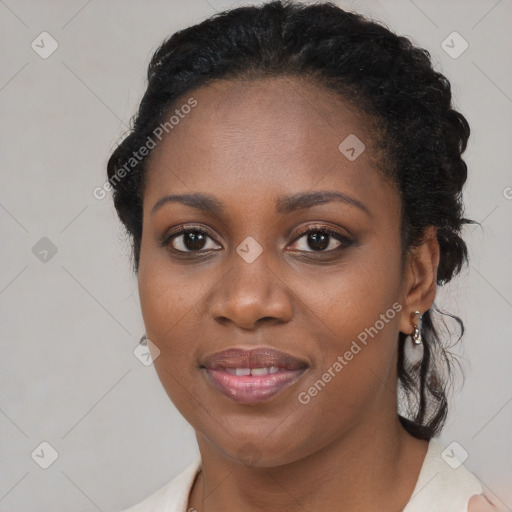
(250, 389)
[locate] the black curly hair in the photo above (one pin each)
(407, 103)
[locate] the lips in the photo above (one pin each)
(254, 358)
(251, 376)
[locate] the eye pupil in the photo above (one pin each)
(318, 241)
(193, 240)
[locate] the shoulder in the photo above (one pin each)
(443, 483)
(173, 497)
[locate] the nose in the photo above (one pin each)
(251, 294)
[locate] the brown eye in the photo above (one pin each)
(191, 240)
(318, 240)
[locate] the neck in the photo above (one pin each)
(370, 467)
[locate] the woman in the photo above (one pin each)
(292, 186)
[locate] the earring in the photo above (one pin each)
(416, 334)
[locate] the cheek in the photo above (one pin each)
(169, 297)
(351, 296)
(166, 291)
(353, 313)
(167, 302)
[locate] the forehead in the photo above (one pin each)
(269, 134)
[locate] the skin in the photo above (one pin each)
(481, 503)
(248, 143)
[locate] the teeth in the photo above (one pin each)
(259, 371)
(253, 371)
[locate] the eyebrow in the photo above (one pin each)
(284, 204)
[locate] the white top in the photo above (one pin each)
(441, 486)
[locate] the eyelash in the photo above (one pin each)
(344, 240)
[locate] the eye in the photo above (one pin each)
(199, 240)
(321, 239)
(190, 240)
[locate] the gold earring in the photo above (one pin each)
(416, 334)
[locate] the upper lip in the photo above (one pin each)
(262, 357)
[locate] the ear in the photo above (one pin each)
(420, 279)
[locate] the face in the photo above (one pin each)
(268, 263)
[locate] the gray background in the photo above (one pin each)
(69, 324)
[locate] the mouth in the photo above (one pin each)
(252, 376)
